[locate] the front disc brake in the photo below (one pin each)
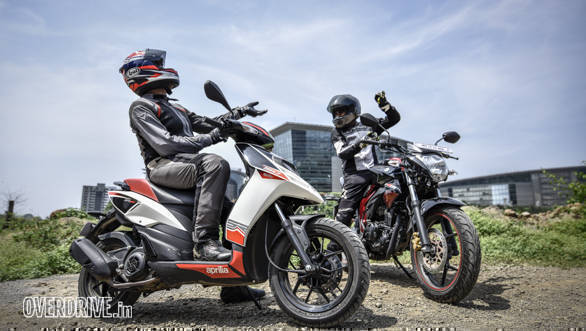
(435, 262)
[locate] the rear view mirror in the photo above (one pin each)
(451, 136)
(214, 93)
(369, 120)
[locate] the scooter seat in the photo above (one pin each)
(171, 196)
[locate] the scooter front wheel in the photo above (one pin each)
(328, 296)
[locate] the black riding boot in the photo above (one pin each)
(211, 250)
(236, 294)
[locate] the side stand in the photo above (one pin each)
(400, 265)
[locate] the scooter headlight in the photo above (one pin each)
(436, 165)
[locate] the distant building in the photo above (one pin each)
(522, 188)
(235, 184)
(95, 198)
(309, 147)
(336, 174)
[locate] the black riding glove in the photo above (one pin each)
(229, 128)
(217, 136)
(249, 110)
(381, 101)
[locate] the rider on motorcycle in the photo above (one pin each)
(170, 149)
(356, 157)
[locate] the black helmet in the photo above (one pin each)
(145, 70)
(347, 103)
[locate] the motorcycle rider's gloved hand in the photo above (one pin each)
(369, 136)
(249, 110)
(217, 136)
(381, 101)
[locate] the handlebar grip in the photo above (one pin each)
(213, 122)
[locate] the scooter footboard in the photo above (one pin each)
(203, 272)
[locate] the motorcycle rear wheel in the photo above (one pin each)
(449, 273)
(328, 297)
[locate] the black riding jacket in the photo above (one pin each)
(164, 129)
(346, 142)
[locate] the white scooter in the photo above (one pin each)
(294, 252)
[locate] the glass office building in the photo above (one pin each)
(310, 148)
(523, 188)
(235, 184)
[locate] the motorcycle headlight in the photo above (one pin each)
(436, 165)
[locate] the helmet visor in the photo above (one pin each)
(155, 56)
(341, 110)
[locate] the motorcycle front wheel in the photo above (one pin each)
(450, 272)
(328, 296)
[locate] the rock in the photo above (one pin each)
(378, 305)
(525, 214)
(510, 213)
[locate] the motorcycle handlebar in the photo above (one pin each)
(372, 142)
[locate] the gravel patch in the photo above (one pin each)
(513, 297)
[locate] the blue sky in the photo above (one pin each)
(507, 75)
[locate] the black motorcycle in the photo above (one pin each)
(404, 210)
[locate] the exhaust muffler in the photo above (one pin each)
(98, 263)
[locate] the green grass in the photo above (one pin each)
(556, 238)
(38, 248)
(558, 242)
(20, 261)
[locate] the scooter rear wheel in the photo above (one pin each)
(90, 287)
(329, 296)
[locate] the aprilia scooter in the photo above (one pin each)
(269, 242)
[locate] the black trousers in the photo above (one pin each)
(208, 174)
(355, 184)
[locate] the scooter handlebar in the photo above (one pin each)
(213, 122)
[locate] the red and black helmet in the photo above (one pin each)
(145, 70)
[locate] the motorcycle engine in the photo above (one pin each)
(135, 265)
(377, 236)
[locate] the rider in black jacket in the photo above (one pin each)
(170, 149)
(356, 157)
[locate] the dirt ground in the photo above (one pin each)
(510, 297)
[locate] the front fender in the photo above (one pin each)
(429, 204)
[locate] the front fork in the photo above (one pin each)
(298, 238)
(416, 216)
